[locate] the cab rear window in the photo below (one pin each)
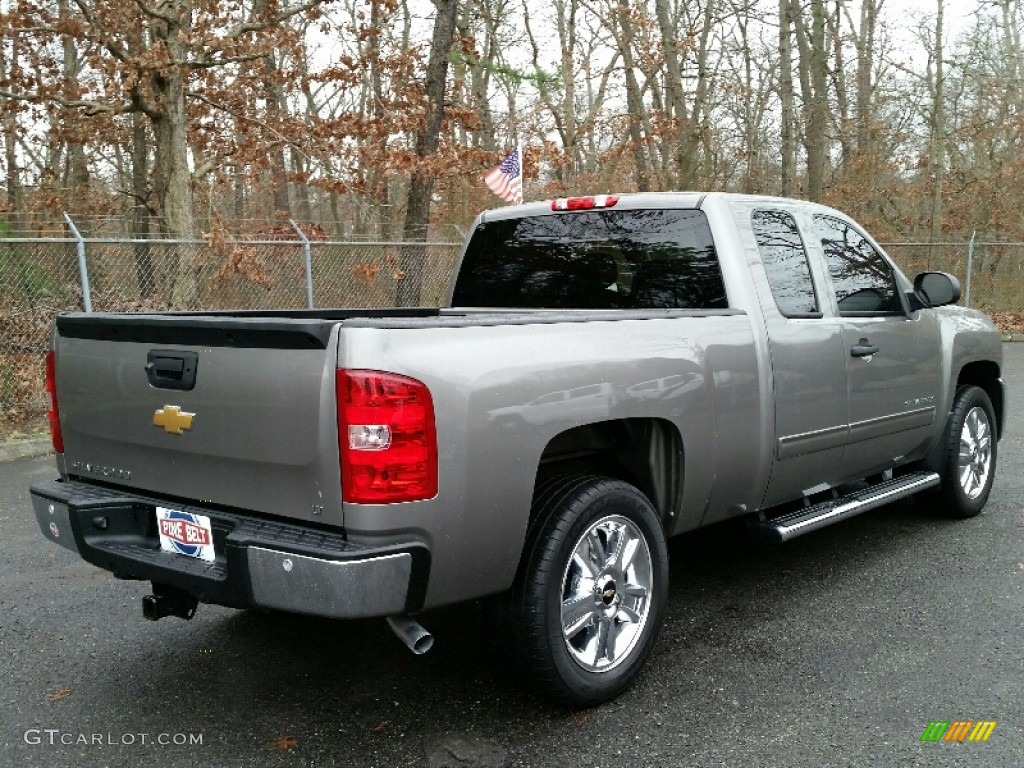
(630, 259)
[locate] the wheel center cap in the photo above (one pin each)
(608, 592)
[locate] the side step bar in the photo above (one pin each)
(785, 527)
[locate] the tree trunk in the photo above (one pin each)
(751, 110)
(300, 188)
(278, 166)
(865, 67)
(76, 168)
(144, 268)
(172, 172)
(175, 193)
(337, 228)
(634, 102)
(483, 137)
(685, 165)
(238, 179)
(814, 85)
(10, 129)
(1011, 52)
(377, 180)
(842, 120)
(567, 43)
(817, 128)
(277, 172)
(563, 111)
(788, 160)
(421, 186)
(938, 126)
(701, 113)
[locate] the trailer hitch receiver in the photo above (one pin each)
(168, 601)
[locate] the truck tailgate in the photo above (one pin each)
(256, 430)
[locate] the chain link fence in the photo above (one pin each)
(996, 280)
(42, 277)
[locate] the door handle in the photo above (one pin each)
(863, 348)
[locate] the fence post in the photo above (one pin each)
(309, 264)
(970, 268)
(83, 269)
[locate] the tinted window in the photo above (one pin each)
(785, 262)
(640, 259)
(863, 280)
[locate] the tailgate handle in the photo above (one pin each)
(170, 369)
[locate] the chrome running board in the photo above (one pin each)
(792, 524)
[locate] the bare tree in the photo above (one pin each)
(421, 185)
(561, 95)
(937, 88)
(686, 140)
(787, 111)
(621, 24)
(865, 39)
(8, 63)
(813, 69)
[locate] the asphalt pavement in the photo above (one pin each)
(837, 649)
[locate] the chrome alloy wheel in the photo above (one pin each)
(975, 460)
(606, 594)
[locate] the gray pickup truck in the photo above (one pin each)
(610, 371)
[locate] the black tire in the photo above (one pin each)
(964, 489)
(622, 621)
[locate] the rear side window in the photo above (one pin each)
(640, 259)
(785, 262)
(863, 280)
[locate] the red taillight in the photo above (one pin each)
(386, 438)
(53, 411)
(583, 203)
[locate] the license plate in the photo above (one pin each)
(185, 534)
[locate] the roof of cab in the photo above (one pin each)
(626, 201)
(634, 200)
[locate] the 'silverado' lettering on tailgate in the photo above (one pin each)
(100, 470)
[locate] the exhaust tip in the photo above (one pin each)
(415, 637)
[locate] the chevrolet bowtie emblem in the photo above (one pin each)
(173, 419)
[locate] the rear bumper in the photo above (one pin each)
(259, 563)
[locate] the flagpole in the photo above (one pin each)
(522, 171)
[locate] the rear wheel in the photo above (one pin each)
(970, 461)
(590, 595)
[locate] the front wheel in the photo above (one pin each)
(590, 594)
(970, 460)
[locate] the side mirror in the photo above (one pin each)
(937, 289)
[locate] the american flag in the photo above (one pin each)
(506, 178)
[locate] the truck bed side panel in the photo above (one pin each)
(501, 394)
